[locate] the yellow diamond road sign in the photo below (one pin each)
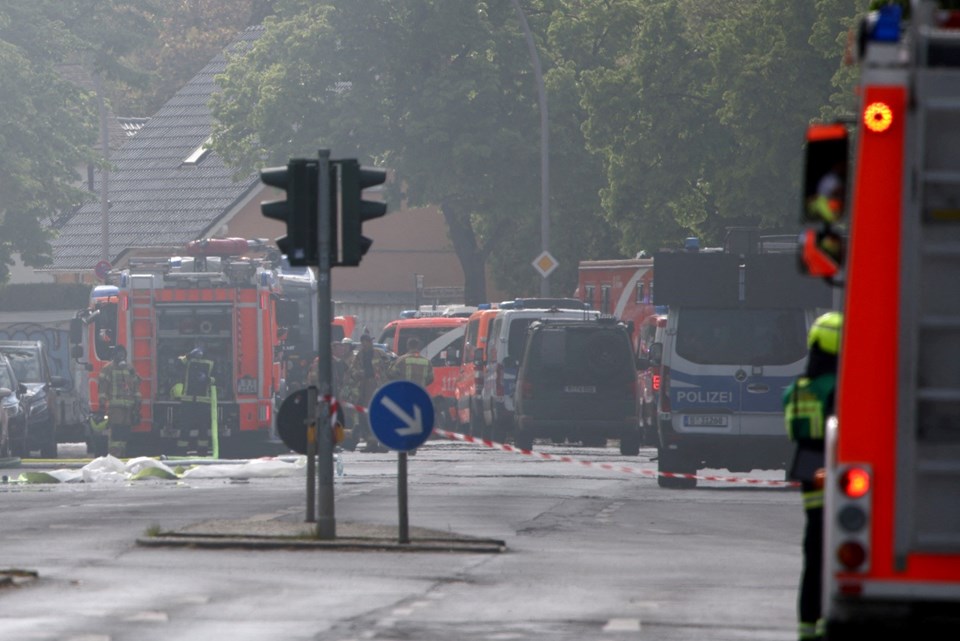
(545, 264)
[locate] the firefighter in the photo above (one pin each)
(412, 366)
(196, 394)
(808, 402)
(118, 389)
(365, 373)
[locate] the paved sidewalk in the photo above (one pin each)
(288, 534)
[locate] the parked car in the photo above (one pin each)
(578, 382)
(13, 412)
(504, 350)
(32, 368)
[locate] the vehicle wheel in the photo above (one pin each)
(476, 421)
(6, 451)
(523, 440)
(18, 445)
(630, 442)
(48, 443)
(97, 445)
(672, 462)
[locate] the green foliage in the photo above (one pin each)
(51, 124)
(667, 117)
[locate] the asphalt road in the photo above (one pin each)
(591, 553)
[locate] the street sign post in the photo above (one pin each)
(401, 416)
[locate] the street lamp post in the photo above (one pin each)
(544, 147)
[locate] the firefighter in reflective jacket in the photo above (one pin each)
(195, 394)
(808, 402)
(412, 366)
(118, 391)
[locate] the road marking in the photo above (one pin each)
(622, 625)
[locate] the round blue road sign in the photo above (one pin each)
(401, 415)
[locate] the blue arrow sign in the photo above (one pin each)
(401, 415)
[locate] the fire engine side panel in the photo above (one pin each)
(867, 395)
(143, 347)
(249, 358)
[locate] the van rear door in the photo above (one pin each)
(730, 368)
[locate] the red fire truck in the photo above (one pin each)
(892, 491)
(619, 287)
(220, 297)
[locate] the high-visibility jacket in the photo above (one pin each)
(118, 389)
(414, 368)
(118, 386)
(806, 403)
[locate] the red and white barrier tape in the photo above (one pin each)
(625, 469)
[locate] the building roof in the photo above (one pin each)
(156, 198)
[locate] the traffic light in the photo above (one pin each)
(354, 210)
(300, 180)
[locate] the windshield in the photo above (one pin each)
(742, 336)
(25, 365)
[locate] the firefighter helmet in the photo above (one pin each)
(825, 333)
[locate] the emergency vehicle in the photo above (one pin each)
(300, 345)
(892, 490)
(735, 338)
(441, 340)
(620, 287)
(220, 297)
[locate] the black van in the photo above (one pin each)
(578, 382)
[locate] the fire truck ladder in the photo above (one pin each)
(929, 410)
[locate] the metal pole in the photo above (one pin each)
(105, 172)
(311, 454)
(326, 523)
(402, 497)
(544, 146)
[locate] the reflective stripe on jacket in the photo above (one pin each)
(414, 368)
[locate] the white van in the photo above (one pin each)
(722, 377)
(735, 338)
(502, 361)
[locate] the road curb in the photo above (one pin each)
(289, 535)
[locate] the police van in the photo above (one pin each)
(735, 338)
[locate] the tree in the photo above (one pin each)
(189, 34)
(700, 119)
(51, 124)
(440, 92)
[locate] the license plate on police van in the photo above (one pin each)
(705, 420)
(580, 389)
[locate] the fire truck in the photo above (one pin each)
(221, 298)
(301, 339)
(892, 489)
(619, 287)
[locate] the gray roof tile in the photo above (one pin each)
(154, 200)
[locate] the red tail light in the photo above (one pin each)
(855, 482)
(664, 398)
(656, 380)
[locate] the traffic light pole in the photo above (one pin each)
(326, 523)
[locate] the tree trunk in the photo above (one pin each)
(472, 259)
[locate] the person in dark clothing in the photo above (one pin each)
(808, 402)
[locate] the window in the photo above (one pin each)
(742, 336)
